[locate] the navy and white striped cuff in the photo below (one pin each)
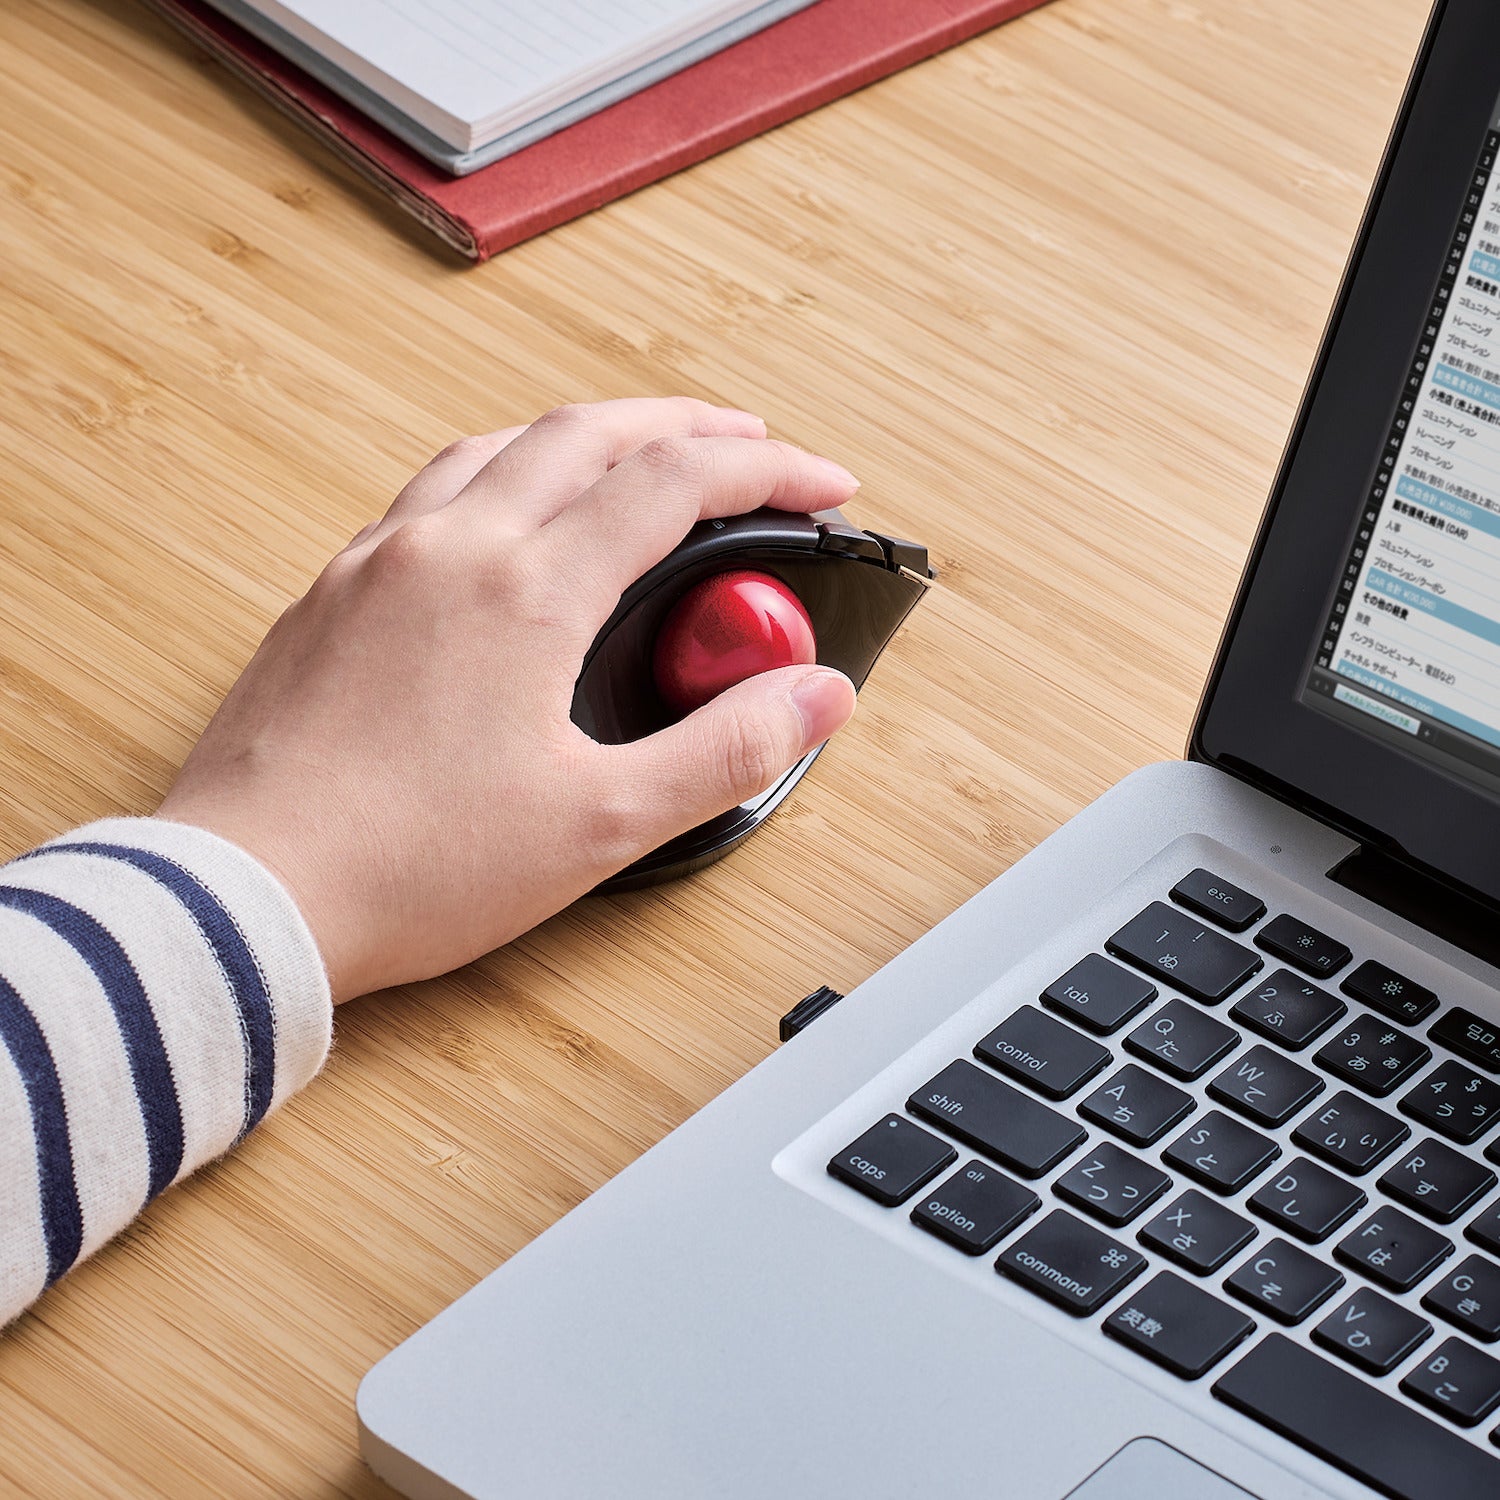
(159, 993)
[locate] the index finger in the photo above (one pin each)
(630, 519)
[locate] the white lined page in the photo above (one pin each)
(471, 70)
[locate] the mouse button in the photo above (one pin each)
(904, 554)
(844, 540)
(756, 528)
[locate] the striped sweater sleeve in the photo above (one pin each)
(159, 993)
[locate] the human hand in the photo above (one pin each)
(399, 751)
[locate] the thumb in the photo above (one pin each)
(739, 744)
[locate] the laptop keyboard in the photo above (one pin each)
(1372, 1226)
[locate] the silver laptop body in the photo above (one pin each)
(1105, 1187)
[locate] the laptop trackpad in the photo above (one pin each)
(1148, 1470)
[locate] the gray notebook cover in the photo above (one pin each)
(460, 163)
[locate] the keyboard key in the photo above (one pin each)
(1284, 1282)
(1435, 1180)
(1394, 1250)
(992, 1117)
(1485, 1230)
(1311, 951)
(1111, 1184)
(1454, 1101)
(1098, 994)
(891, 1160)
(1198, 1233)
(1052, 1058)
(1471, 1036)
(1070, 1263)
(975, 1208)
(1371, 1331)
(1136, 1105)
(1353, 1425)
(1191, 957)
(1286, 1009)
(1178, 1325)
(1469, 1296)
(1458, 1382)
(1390, 993)
(1350, 1133)
(1373, 1056)
(1308, 1200)
(1267, 1086)
(1181, 1039)
(1229, 906)
(1221, 1153)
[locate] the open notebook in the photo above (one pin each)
(466, 82)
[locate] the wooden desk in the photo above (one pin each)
(1052, 296)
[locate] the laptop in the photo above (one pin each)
(1167, 1165)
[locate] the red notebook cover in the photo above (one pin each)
(830, 49)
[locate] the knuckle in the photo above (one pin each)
(675, 458)
(616, 820)
(574, 417)
(414, 547)
(476, 446)
(752, 756)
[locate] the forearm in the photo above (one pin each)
(159, 994)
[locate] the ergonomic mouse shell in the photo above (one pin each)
(857, 586)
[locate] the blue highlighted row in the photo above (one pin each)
(1445, 610)
(1472, 516)
(1424, 706)
(1466, 385)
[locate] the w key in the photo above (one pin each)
(1189, 956)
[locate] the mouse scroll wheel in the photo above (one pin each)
(727, 628)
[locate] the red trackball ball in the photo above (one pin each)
(725, 629)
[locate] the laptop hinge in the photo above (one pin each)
(1442, 909)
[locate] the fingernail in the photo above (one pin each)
(749, 416)
(839, 475)
(824, 701)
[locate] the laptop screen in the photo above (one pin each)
(1411, 642)
(1359, 676)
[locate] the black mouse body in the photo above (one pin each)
(857, 586)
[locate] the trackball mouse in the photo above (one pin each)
(735, 597)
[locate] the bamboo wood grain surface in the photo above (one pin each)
(1052, 296)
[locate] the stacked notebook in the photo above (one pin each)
(493, 120)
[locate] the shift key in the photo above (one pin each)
(977, 1108)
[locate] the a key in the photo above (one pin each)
(1435, 1180)
(1355, 1426)
(1284, 1008)
(1311, 951)
(1070, 1263)
(1373, 1055)
(1197, 1233)
(991, 1116)
(1390, 993)
(1044, 1054)
(1265, 1085)
(1111, 1184)
(1284, 1282)
(1221, 1153)
(1098, 994)
(1136, 1105)
(1178, 1325)
(975, 1208)
(1205, 893)
(891, 1160)
(1454, 1101)
(1485, 1230)
(1371, 1331)
(1458, 1382)
(1392, 1249)
(1351, 1133)
(1470, 1036)
(1469, 1297)
(1180, 1039)
(1181, 950)
(1308, 1200)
